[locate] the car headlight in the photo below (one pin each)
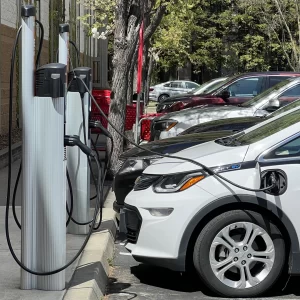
(133, 164)
(165, 125)
(177, 182)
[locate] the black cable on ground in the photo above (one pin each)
(205, 168)
(9, 179)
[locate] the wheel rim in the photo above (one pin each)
(242, 255)
(162, 98)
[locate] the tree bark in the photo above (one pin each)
(127, 25)
(130, 84)
(149, 74)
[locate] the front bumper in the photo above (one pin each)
(157, 240)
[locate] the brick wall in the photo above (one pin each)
(8, 35)
(7, 38)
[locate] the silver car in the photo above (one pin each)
(168, 89)
(172, 124)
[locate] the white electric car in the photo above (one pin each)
(239, 241)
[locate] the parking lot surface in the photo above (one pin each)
(130, 280)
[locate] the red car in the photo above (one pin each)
(234, 90)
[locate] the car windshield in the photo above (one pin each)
(266, 93)
(261, 132)
(207, 87)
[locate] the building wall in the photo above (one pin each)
(7, 41)
(9, 17)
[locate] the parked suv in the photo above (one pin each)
(162, 91)
(234, 90)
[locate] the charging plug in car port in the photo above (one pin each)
(275, 178)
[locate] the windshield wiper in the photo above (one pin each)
(229, 141)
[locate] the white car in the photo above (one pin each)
(171, 124)
(239, 241)
(168, 89)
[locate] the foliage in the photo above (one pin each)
(226, 36)
(100, 16)
(282, 22)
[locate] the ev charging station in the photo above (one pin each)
(43, 200)
(77, 124)
(51, 121)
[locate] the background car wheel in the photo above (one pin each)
(240, 254)
(162, 97)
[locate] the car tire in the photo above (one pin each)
(228, 229)
(162, 97)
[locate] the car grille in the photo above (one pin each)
(145, 181)
(133, 224)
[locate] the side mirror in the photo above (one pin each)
(273, 105)
(225, 94)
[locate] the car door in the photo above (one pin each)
(177, 87)
(244, 89)
(190, 86)
(284, 158)
(273, 80)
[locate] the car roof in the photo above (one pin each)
(268, 73)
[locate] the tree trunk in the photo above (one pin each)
(149, 74)
(117, 112)
(130, 84)
(127, 24)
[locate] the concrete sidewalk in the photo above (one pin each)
(91, 268)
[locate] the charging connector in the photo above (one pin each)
(73, 140)
(98, 125)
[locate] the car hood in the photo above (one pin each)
(175, 144)
(210, 154)
(179, 97)
(206, 111)
(223, 123)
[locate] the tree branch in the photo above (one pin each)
(154, 22)
(281, 43)
(294, 47)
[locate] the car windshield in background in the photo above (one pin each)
(262, 132)
(207, 87)
(274, 89)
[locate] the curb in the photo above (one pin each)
(91, 274)
(16, 154)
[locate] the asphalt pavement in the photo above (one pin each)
(130, 280)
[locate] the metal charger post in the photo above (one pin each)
(43, 206)
(63, 58)
(77, 161)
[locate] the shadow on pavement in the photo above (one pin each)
(190, 283)
(116, 287)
